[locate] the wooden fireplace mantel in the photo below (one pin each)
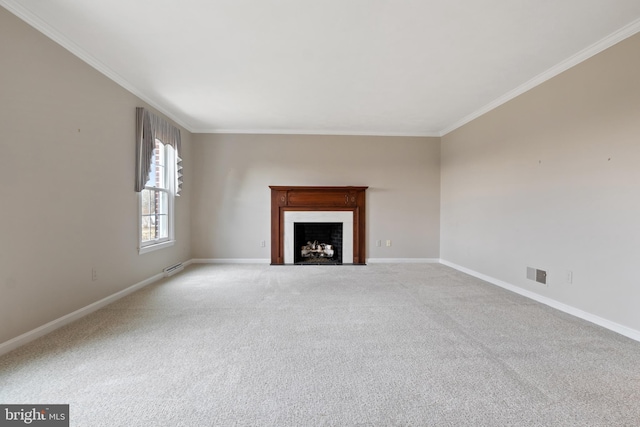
(287, 198)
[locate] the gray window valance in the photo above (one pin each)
(150, 127)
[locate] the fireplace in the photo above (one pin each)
(317, 243)
(318, 214)
(343, 218)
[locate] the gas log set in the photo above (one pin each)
(317, 250)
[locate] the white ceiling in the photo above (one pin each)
(375, 67)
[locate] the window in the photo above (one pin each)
(156, 200)
(158, 179)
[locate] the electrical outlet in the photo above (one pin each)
(263, 243)
(569, 276)
(94, 274)
(378, 243)
(388, 242)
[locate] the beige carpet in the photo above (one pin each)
(379, 345)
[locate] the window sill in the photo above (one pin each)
(155, 247)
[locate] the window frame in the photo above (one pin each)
(169, 178)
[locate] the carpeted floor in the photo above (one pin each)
(378, 345)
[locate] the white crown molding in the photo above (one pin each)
(616, 37)
(605, 323)
(316, 132)
(30, 18)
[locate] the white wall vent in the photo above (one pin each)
(170, 271)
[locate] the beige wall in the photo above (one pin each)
(552, 180)
(231, 200)
(67, 203)
(548, 180)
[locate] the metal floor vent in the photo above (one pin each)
(170, 271)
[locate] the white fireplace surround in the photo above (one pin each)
(345, 217)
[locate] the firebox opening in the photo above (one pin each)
(317, 243)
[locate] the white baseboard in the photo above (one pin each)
(403, 260)
(27, 337)
(608, 324)
(268, 261)
(230, 261)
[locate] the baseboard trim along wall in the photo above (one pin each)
(231, 261)
(403, 260)
(27, 337)
(268, 261)
(608, 324)
(43, 330)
